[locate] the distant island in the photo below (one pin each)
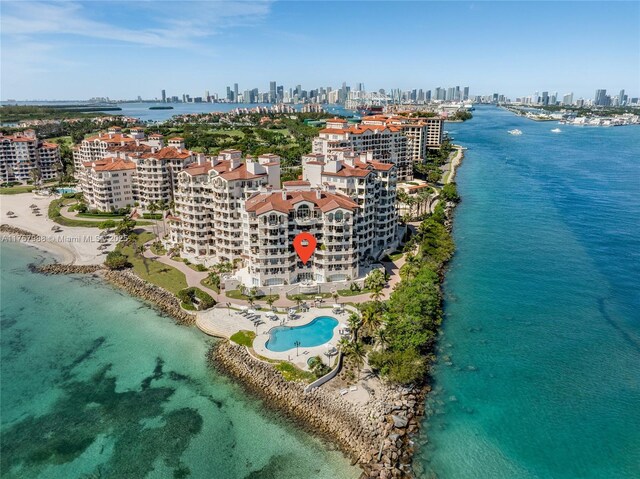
(160, 108)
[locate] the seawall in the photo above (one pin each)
(376, 435)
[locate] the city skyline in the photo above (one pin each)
(192, 48)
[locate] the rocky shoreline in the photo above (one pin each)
(376, 435)
(161, 298)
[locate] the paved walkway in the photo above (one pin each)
(194, 278)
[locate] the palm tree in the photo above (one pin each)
(36, 176)
(354, 324)
(251, 295)
(381, 338)
(270, 301)
(152, 208)
(357, 354)
(336, 296)
(371, 321)
(376, 294)
(343, 345)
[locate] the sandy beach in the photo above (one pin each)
(71, 245)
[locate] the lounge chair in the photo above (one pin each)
(343, 392)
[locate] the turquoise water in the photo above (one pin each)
(315, 333)
(539, 362)
(66, 190)
(97, 384)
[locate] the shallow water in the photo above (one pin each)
(98, 384)
(539, 362)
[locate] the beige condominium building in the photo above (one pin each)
(387, 143)
(228, 209)
(209, 202)
(152, 178)
(23, 152)
(422, 133)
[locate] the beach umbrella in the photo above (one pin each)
(10, 213)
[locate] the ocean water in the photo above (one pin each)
(96, 384)
(538, 373)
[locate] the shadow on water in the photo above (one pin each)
(633, 342)
(92, 408)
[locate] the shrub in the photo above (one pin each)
(107, 224)
(190, 295)
(116, 260)
(318, 368)
(201, 267)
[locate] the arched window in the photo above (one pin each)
(339, 216)
(303, 211)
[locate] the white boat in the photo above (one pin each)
(556, 130)
(515, 132)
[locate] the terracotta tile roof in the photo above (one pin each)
(115, 165)
(130, 148)
(262, 203)
(360, 129)
(17, 138)
(168, 153)
(111, 138)
(194, 169)
(238, 173)
(378, 165)
(296, 183)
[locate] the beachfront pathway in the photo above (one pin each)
(194, 278)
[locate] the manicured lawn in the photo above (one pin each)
(236, 294)
(348, 292)
(205, 282)
(396, 256)
(292, 373)
(100, 216)
(54, 214)
(309, 297)
(155, 272)
(244, 338)
(15, 190)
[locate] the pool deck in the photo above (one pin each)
(224, 322)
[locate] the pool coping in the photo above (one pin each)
(300, 360)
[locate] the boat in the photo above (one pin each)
(556, 130)
(515, 132)
(370, 110)
(160, 108)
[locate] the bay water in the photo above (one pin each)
(538, 373)
(97, 384)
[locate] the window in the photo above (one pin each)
(303, 212)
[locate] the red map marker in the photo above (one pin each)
(305, 245)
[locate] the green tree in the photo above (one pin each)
(354, 323)
(375, 280)
(116, 260)
(357, 355)
(126, 227)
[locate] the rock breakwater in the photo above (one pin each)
(376, 435)
(59, 268)
(163, 299)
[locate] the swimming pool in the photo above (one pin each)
(62, 191)
(317, 332)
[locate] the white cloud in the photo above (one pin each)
(171, 25)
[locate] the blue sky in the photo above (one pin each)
(77, 50)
